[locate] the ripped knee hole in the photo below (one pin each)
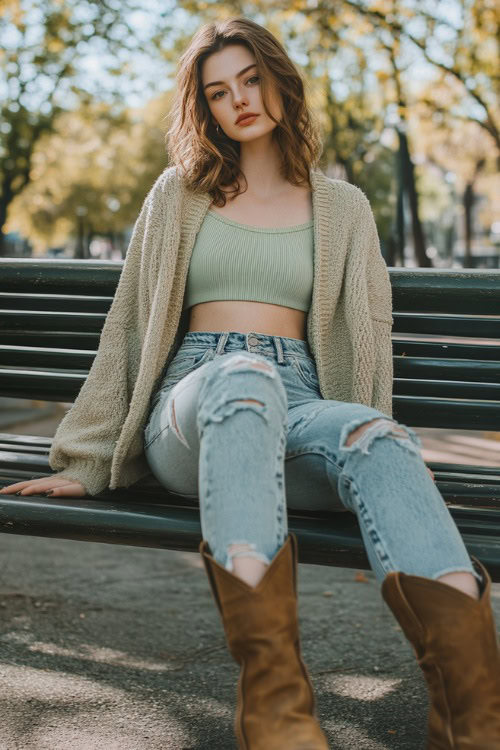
(353, 436)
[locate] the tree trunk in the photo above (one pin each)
(408, 172)
(468, 201)
(7, 196)
(400, 214)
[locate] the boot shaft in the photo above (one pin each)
(255, 617)
(275, 705)
(456, 643)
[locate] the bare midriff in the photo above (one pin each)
(248, 317)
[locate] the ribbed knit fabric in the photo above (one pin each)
(99, 441)
(233, 261)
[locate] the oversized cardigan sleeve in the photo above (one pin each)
(82, 448)
(380, 304)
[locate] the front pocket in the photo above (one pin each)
(181, 365)
(185, 363)
(179, 368)
(151, 431)
(306, 370)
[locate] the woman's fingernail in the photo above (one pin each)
(49, 492)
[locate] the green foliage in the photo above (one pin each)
(65, 142)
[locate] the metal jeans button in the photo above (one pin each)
(253, 341)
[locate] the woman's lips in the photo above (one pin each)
(247, 119)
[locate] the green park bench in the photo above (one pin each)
(52, 312)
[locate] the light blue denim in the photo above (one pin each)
(238, 417)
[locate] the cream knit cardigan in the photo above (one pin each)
(99, 441)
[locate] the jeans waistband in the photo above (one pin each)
(260, 343)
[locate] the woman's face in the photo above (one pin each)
(236, 93)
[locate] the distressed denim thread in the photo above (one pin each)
(250, 550)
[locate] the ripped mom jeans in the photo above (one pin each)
(239, 423)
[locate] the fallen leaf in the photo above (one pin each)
(360, 577)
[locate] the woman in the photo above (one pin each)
(248, 346)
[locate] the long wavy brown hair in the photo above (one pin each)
(207, 160)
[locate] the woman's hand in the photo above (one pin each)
(59, 486)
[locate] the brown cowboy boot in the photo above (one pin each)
(456, 643)
(275, 700)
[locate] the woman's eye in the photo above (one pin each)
(221, 92)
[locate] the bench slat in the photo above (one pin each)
(462, 493)
(41, 444)
(406, 347)
(448, 350)
(478, 486)
(57, 340)
(414, 410)
(60, 276)
(466, 290)
(41, 357)
(493, 472)
(55, 302)
(447, 389)
(413, 368)
(446, 413)
(459, 370)
(444, 325)
(22, 320)
(37, 319)
(335, 541)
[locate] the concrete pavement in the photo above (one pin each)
(103, 646)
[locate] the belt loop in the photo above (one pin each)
(279, 349)
(221, 342)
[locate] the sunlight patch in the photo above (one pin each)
(361, 687)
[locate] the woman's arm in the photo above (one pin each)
(82, 448)
(380, 302)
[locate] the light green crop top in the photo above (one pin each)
(233, 261)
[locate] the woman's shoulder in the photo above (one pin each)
(163, 190)
(345, 191)
(167, 179)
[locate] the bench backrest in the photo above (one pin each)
(52, 312)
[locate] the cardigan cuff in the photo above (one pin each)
(90, 474)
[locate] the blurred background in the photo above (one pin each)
(407, 92)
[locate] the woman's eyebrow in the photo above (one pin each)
(220, 83)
